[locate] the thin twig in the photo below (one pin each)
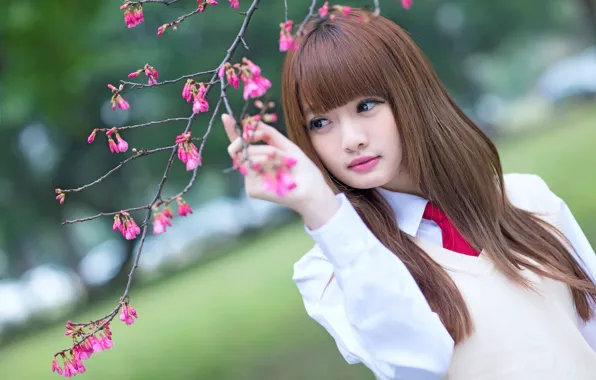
(142, 85)
(108, 318)
(104, 214)
(139, 153)
(164, 2)
(311, 10)
(377, 7)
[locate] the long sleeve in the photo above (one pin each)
(587, 259)
(551, 203)
(373, 308)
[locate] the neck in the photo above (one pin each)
(403, 183)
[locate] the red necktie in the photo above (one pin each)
(452, 240)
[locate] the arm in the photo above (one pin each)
(373, 308)
(585, 257)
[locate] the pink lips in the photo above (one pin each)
(365, 163)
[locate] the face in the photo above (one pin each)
(360, 145)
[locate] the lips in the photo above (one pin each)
(361, 160)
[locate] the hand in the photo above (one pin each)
(311, 197)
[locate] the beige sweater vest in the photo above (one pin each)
(519, 334)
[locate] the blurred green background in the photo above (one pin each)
(214, 294)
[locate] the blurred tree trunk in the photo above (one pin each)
(589, 9)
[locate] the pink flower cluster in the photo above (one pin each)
(202, 4)
(286, 40)
(188, 152)
(255, 85)
(117, 99)
(127, 226)
(275, 173)
(61, 196)
(73, 364)
(133, 14)
(118, 146)
(149, 71)
(183, 207)
(127, 313)
(196, 91)
(162, 220)
(230, 73)
(234, 4)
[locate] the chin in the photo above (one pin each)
(367, 181)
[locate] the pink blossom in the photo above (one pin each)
(255, 70)
(162, 29)
(131, 229)
(167, 211)
(286, 40)
(183, 207)
(96, 344)
(232, 78)
(56, 367)
(106, 342)
(122, 104)
(91, 136)
(200, 104)
(221, 71)
(289, 162)
(60, 197)
(256, 87)
(127, 313)
(346, 10)
(270, 118)
(124, 223)
(406, 4)
(134, 74)
(152, 74)
(234, 4)
(324, 10)
(113, 146)
(122, 145)
(188, 152)
(133, 15)
(187, 91)
(160, 223)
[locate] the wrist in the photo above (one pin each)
(316, 212)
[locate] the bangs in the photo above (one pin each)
(339, 62)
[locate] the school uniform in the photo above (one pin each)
(378, 316)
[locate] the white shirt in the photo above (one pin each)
(374, 309)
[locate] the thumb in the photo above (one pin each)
(229, 126)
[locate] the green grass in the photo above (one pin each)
(241, 317)
(564, 156)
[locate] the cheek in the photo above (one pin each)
(328, 151)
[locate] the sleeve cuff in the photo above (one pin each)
(345, 236)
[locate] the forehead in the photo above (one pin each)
(336, 65)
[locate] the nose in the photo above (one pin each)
(354, 136)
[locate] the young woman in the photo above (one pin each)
(429, 263)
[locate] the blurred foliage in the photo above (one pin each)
(241, 317)
(55, 62)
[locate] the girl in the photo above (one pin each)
(429, 263)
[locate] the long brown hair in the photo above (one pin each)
(454, 163)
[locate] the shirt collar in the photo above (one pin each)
(408, 209)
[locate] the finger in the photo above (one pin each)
(260, 150)
(274, 137)
(229, 126)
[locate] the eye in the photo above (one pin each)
(317, 124)
(368, 105)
